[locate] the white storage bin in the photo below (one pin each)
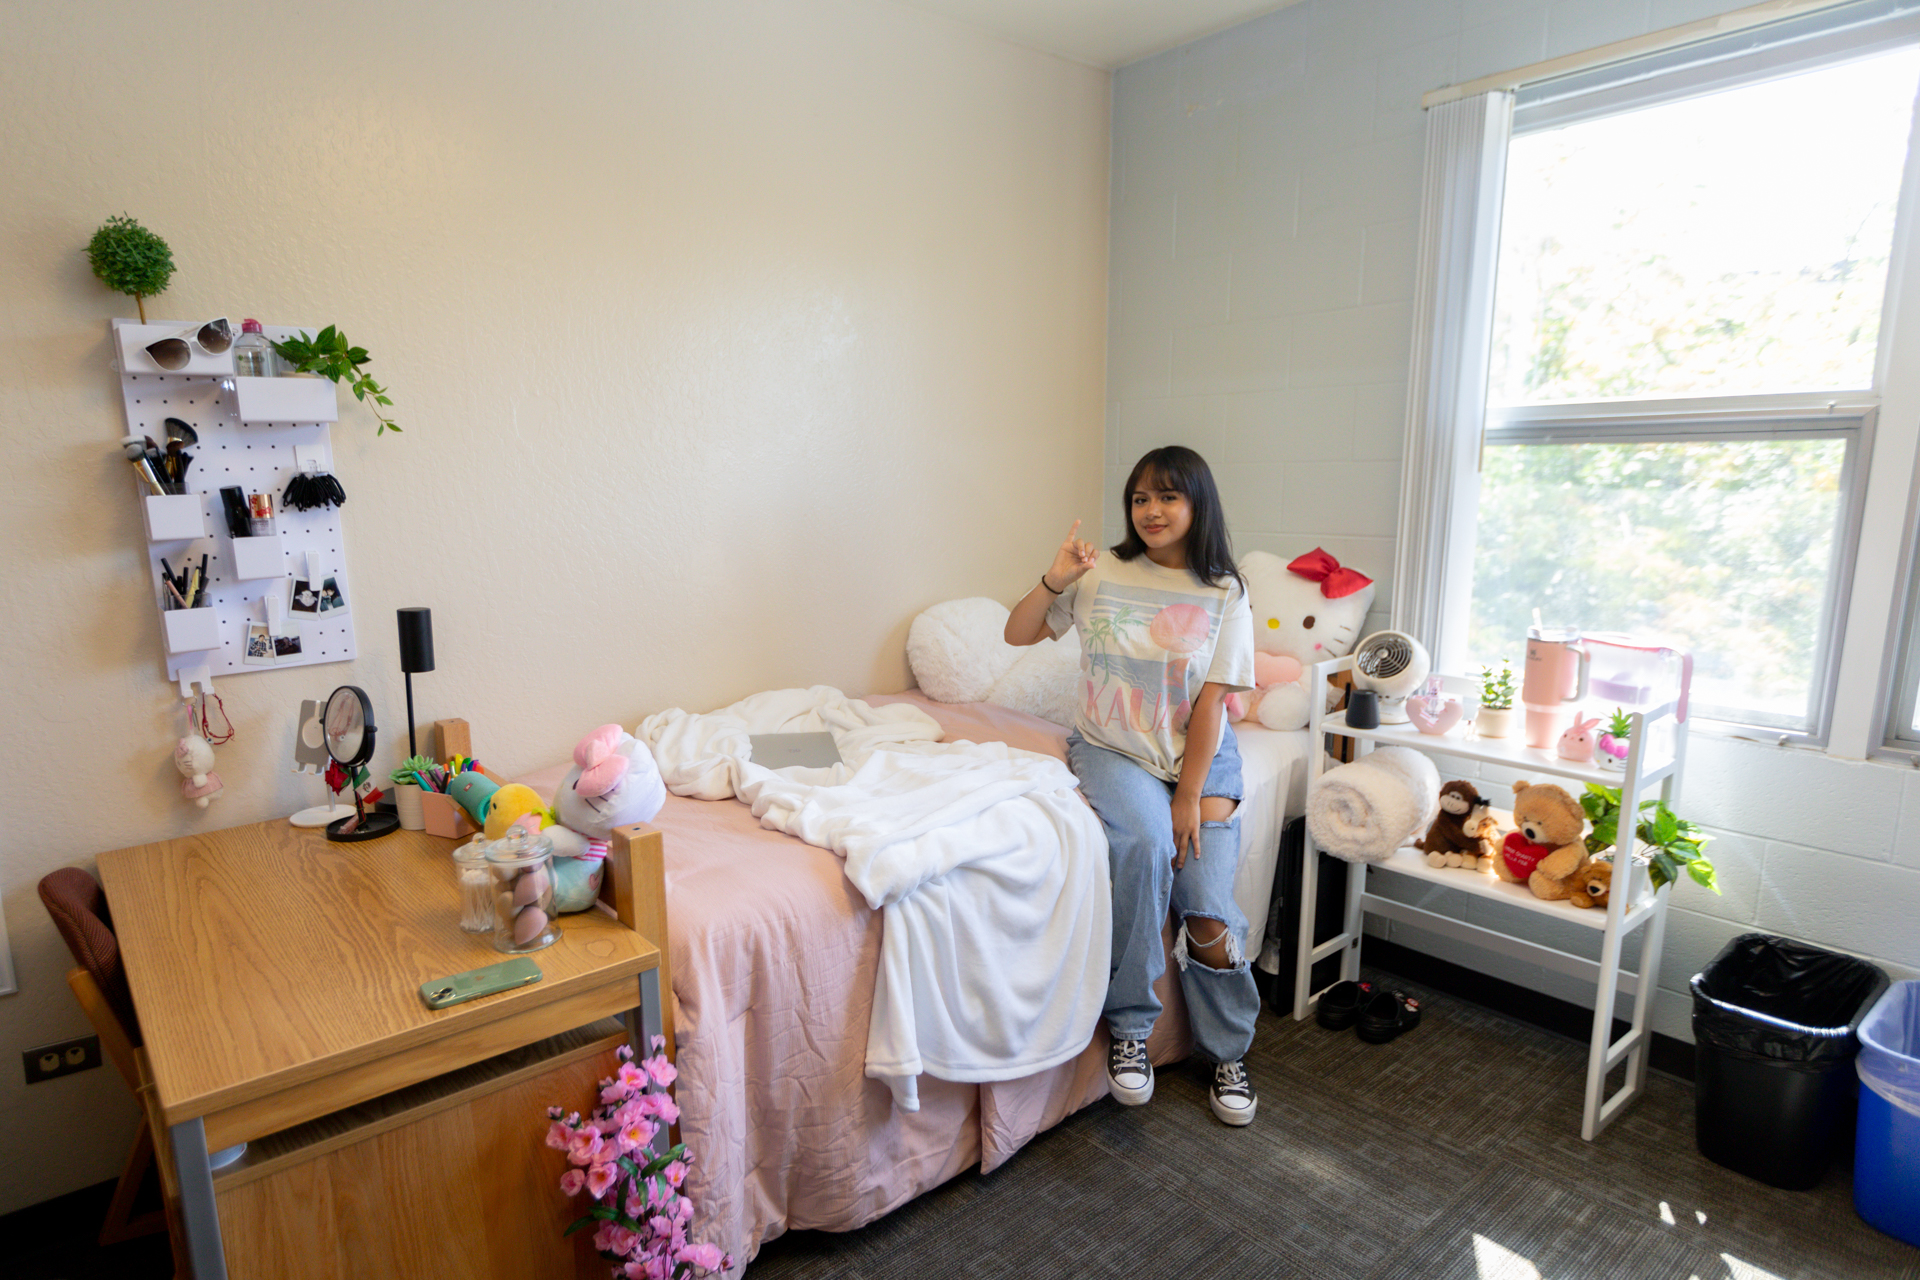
(191, 630)
(286, 400)
(172, 517)
(264, 557)
(133, 340)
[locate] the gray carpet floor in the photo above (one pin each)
(1454, 1151)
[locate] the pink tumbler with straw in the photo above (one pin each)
(1554, 682)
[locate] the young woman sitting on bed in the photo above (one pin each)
(1165, 635)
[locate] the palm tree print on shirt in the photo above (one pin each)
(1139, 643)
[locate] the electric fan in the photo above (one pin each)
(1392, 664)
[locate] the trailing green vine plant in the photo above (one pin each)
(330, 356)
(1671, 843)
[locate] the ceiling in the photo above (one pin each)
(1101, 33)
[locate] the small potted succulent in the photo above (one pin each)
(1611, 751)
(1496, 701)
(406, 792)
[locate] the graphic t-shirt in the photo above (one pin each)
(1149, 638)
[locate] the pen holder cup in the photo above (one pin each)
(522, 869)
(262, 557)
(442, 817)
(175, 517)
(191, 630)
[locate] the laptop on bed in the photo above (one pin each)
(783, 750)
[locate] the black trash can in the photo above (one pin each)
(1774, 1040)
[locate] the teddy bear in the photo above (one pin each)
(1592, 885)
(1546, 853)
(957, 653)
(1464, 833)
(1305, 611)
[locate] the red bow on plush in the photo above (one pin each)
(1318, 566)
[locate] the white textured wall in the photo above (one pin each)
(1266, 187)
(726, 337)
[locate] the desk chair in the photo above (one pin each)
(79, 909)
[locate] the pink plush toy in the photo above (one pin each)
(1304, 612)
(193, 757)
(1576, 744)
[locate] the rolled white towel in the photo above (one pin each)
(1365, 810)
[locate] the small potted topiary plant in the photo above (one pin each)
(130, 259)
(1611, 751)
(1496, 701)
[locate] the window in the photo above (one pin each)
(1686, 366)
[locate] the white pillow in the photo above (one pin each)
(957, 654)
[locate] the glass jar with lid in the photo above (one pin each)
(521, 864)
(476, 886)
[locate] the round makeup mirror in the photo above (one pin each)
(346, 723)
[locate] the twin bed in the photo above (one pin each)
(771, 955)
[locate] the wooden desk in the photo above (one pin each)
(277, 980)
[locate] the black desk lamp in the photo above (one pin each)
(416, 654)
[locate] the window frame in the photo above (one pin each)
(1780, 417)
(1869, 665)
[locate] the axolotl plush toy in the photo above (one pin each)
(613, 783)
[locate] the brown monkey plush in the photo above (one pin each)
(1463, 835)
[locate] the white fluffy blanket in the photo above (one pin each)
(1365, 810)
(989, 869)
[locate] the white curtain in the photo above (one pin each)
(1447, 389)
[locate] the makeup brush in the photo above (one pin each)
(136, 452)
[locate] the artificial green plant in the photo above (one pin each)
(130, 259)
(329, 355)
(1671, 844)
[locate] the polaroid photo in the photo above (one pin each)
(286, 646)
(259, 652)
(333, 601)
(305, 599)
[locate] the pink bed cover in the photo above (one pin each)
(773, 956)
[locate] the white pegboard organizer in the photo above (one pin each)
(260, 457)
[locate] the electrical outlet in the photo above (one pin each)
(63, 1059)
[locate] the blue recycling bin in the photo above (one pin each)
(1886, 1153)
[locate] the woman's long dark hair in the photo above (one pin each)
(1176, 467)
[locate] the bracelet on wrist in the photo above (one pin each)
(1044, 583)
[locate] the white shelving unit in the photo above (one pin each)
(1632, 905)
(254, 433)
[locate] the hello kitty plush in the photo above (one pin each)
(613, 783)
(193, 757)
(1303, 612)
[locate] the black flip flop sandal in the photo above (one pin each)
(1340, 1004)
(1386, 1015)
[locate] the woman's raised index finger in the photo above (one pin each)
(1072, 531)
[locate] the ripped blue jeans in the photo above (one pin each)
(1135, 807)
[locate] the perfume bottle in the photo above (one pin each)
(260, 515)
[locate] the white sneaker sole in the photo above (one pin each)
(1130, 1097)
(1233, 1115)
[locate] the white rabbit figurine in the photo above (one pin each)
(1576, 744)
(193, 757)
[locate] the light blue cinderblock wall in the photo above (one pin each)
(1266, 186)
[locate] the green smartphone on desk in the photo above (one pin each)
(505, 976)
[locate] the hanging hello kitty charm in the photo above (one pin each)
(193, 757)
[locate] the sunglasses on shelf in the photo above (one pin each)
(213, 337)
